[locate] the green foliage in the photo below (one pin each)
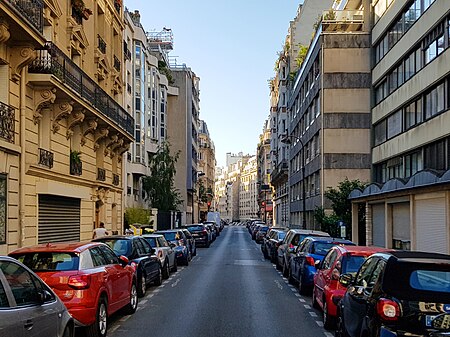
(75, 157)
(202, 192)
(340, 205)
(162, 67)
(159, 185)
(137, 215)
(301, 55)
(330, 16)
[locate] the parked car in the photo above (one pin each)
(191, 241)
(273, 241)
(212, 229)
(327, 291)
(141, 256)
(310, 252)
(164, 252)
(89, 278)
(397, 293)
(261, 234)
(179, 243)
(286, 250)
(28, 305)
(201, 234)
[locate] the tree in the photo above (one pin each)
(159, 185)
(137, 215)
(340, 205)
(301, 55)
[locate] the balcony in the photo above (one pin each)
(116, 63)
(31, 11)
(129, 88)
(76, 168)
(101, 44)
(101, 174)
(51, 60)
(46, 158)
(342, 20)
(118, 5)
(7, 122)
(115, 180)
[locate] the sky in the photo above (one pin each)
(232, 46)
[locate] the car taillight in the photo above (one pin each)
(79, 281)
(310, 261)
(388, 310)
(181, 242)
(205, 232)
(133, 264)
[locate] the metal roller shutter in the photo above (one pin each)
(400, 222)
(431, 232)
(378, 226)
(59, 219)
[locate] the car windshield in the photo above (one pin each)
(195, 228)
(151, 241)
(171, 236)
(281, 235)
(49, 261)
(352, 263)
(119, 246)
(321, 248)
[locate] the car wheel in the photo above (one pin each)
(159, 277)
(290, 278)
(142, 284)
(314, 300)
(166, 270)
(195, 252)
(328, 322)
(301, 286)
(100, 327)
(278, 265)
(133, 303)
(68, 331)
(175, 265)
(186, 260)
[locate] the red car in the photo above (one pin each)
(89, 278)
(327, 290)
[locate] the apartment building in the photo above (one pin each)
(406, 205)
(264, 169)
(147, 88)
(206, 165)
(329, 110)
(248, 203)
(183, 129)
(63, 129)
(297, 40)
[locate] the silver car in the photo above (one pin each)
(164, 251)
(28, 307)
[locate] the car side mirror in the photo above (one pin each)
(123, 260)
(346, 279)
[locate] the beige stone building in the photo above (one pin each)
(407, 203)
(329, 110)
(264, 170)
(206, 166)
(63, 128)
(248, 201)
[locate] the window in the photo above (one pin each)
(435, 101)
(380, 132)
(430, 280)
(3, 299)
(394, 124)
(21, 282)
(413, 164)
(3, 206)
(97, 257)
(435, 156)
(109, 255)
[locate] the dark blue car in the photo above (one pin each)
(310, 252)
(179, 243)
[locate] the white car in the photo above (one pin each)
(164, 252)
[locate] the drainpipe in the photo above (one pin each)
(21, 231)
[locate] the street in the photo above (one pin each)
(227, 290)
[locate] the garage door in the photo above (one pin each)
(401, 228)
(378, 225)
(59, 219)
(430, 225)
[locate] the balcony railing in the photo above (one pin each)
(46, 158)
(116, 63)
(7, 122)
(31, 10)
(129, 88)
(115, 180)
(342, 20)
(101, 44)
(52, 60)
(101, 174)
(77, 16)
(117, 5)
(76, 168)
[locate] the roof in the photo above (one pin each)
(120, 237)
(310, 232)
(408, 255)
(366, 250)
(169, 230)
(329, 239)
(76, 247)
(152, 235)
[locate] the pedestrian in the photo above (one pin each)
(100, 231)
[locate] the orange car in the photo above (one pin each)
(327, 290)
(89, 278)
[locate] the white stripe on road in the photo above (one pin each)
(307, 306)
(297, 294)
(328, 334)
(319, 323)
(313, 314)
(302, 300)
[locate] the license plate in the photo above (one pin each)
(429, 319)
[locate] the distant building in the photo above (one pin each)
(248, 203)
(264, 169)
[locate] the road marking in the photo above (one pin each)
(328, 334)
(199, 258)
(143, 301)
(294, 290)
(307, 306)
(162, 285)
(176, 282)
(124, 318)
(319, 323)
(149, 295)
(297, 294)
(302, 300)
(278, 284)
(313, 314)
(114, 328)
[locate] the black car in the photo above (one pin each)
(399, 293)
(201, 234)
(271, 243)
(141, 255)
(191, 242)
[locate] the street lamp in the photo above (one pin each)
(287, 139)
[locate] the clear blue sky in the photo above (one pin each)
(232, 46)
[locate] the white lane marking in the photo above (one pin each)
(199, 258)
(156, 291)
(143, 301)
(114, 328)
(124, 318)
(313, 314)
(285, 279)
(328, 334)
(319, 323)
(278, 284)
(297, 294)
(162, 285)
(149, 295)
(307, 306)
(302, 300)
(176, 282)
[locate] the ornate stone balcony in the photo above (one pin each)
(31, 10)
(7, 122)
(101, 174)
(46, 158)
(115, 180)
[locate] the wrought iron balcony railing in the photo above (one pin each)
(51, 60)
(101, 174)
(31, 10)
(116, 63)
(46, 158)
(129, 88)
(76, 168)
(117, 6)
(7, 122)
(115, 180)
(101, 44)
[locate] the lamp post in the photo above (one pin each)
(287, 139)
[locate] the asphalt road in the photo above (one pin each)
(227, 290)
